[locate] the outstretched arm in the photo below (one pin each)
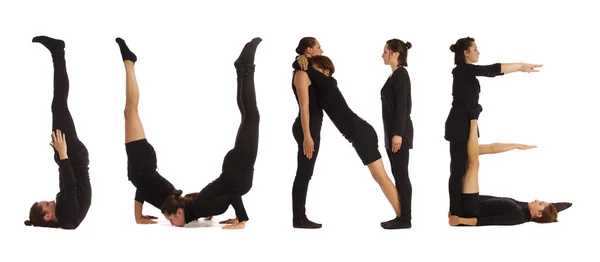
(502, 147)
(498, 69)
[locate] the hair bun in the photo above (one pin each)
(452, 48)
(408, 45)
(177, 193)
(27, 223)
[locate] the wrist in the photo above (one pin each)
(63, 155)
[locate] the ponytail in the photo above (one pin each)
(174, 202)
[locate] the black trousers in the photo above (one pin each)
(458, 169)
(238, 164)
(62, 120)
(399, 163)
(306, 167)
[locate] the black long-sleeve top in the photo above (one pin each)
(214, 200)
(154, 189)
(75, 197)
(465, 94)
(396, 107)
(332, 101)
(502, 211)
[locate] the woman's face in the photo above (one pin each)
(472, 54)
(389, 57)
(315, 50)
(177, 219)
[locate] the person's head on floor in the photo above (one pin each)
(323, 64)
(465, 51)
(542, 211)
(395, 52)
(172, 209)
(309, 47)
(43, 214)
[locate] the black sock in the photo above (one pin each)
(54, 45)
(126, 54)
(248, 53)
(474, 112)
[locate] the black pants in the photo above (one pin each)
(458, 169)
(399, 163)
(471, 205)
(150, 186)
(62, 120)
(305, 168)
(364, 140)
(238, 164)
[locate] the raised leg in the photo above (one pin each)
(239, 161)
(61, 115)
(134, 130)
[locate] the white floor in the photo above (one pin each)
(356, 238)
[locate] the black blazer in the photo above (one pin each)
(396, 106)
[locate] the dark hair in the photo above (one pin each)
(36, 217)
(549, 215)
(397, 45)
(174, 202)
(305, 43)
(324, 63)
(459, 49)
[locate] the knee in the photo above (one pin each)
(130, 111)
(473, 163)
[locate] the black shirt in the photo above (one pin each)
(214, 200)
(396, 107)
(502, 211)
(465, 94)
(75, 196)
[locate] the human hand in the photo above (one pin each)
(59, 143)
(396, 143)
(145, 220)
(530, 67)
(303, 62)
(240, 225)
(525, 147)
(308, 147)
(453, 220)
(230, 221)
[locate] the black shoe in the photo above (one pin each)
(397, 223)
(305, 223)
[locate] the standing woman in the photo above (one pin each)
(150, 186)
(307, 132)
(75, 196)
(465, 96)
(396, 102)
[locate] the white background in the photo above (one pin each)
(187, 83)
